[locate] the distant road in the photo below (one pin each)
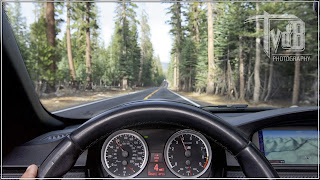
(91, 109)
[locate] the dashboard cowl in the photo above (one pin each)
(250, 123)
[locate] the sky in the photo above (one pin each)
(160, 37)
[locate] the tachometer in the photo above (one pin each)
(188, 154)
(124, 154)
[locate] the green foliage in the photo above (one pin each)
(130, 53)
(146, 52)
(19, 26)
(158, 76)
(127, 36)
(39, 62)
(193, 64)
(229, 26)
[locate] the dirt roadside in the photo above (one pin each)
(79, 98)
(222, 100)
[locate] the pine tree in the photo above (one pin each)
(51, 38)
(195, 21)
(158, 75)
(84, 16)
(69, 47)
(19, 26)
(127, 37)
(146, 52)
(42, 54)
(188, 63)
(88, 48)
(256, 91)
(211, 65)
(176, 31)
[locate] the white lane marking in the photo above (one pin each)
(198, 105)
(87, 104)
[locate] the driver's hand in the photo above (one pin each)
(31, 172)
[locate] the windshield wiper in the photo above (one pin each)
(232, 106)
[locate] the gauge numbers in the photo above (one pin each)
(124, 154)
(188, 154)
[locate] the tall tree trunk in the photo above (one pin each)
(296, 83)
(315, 91)
(241, 70)
(269, 80)
(210, 85)
(230, 78)
(195, 22)
(190, 80)
(141, 67)
(232, 86)
(124, 40)
(196, 37)
(175, 83)
(230, 94)
(265, 83)
(217, 89)
(248, 89)
(179, 39)
(51, 37)
(184, 84)
(256, 91)
(69, 49)
(223, 79)
(88, 49)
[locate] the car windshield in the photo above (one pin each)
(95, 55)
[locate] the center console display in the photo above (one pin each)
(289, 146)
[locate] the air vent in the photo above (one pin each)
(54, 137)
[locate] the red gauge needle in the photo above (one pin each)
(185, 148)
(130, 168)
(190, 170)
(118, 144)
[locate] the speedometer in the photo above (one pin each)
(124, 154)
(188, 154)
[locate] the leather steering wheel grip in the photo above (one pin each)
(64, 156)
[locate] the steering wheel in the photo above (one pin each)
(64, 156)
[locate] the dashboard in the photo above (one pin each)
(159, 151)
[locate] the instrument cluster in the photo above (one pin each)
(185, 154)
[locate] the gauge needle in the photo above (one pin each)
(130, 168)
(185, 148)
(118, 144)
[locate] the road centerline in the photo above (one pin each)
(147, 97)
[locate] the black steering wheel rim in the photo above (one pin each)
(64, 156)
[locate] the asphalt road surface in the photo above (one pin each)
(92, 109)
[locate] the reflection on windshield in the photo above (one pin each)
(200, 53)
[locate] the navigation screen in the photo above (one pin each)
(289, 147)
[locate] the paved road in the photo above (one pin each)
(89, 110)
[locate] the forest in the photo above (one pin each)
(80, 59)
(215, 51)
